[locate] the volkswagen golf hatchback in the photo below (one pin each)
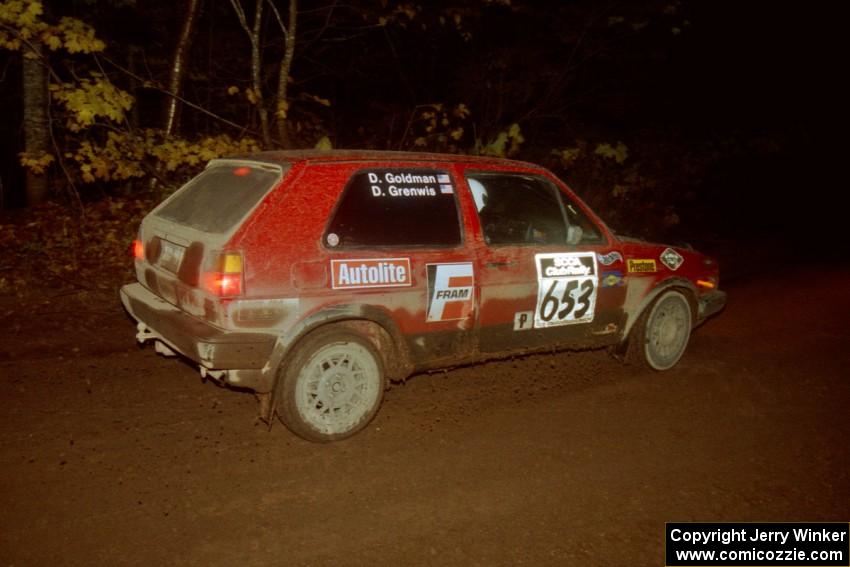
(316, 278)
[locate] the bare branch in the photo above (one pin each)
(240, 14)
(283, 77)
(150, 84)
(279, 19)
(59, 157)
(178, 66)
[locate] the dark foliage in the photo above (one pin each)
(721, 105)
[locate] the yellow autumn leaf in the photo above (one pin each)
(568, 156)
(324, 143)
(36, 163)
(461, 111)
(79, 37)
(618, 153)
(282, 109)
(53, 42)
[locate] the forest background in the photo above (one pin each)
(708, 122)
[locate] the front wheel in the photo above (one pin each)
(332, 386)
(659, 337)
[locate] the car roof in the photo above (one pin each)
(292, 156)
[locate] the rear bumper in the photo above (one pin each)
(209, 346)
(711, 303)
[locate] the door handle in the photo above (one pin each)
(500, 264)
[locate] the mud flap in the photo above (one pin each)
(265, 411)
(618, 350)
(268, 400)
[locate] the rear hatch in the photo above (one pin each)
(185, 256)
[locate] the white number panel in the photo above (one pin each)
(566, 288)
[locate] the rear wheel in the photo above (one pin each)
(332, 386)
(660, 336)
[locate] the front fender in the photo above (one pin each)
(639, 297)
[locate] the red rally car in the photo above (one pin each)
(315, 278)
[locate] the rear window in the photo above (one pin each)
(396, 207)
(217, 199)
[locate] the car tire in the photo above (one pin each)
(332, 386)
(660, 336)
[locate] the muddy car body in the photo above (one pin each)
(315, 278)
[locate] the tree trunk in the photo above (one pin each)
(133, 82)
(178, 67)
(36, 126)
(253, 34)
(256, 69)
(283, 80)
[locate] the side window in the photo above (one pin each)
(396, 207)
(590, 233)
(518, 209)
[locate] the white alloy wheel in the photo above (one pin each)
(333, 387)
(660, 335)
(667, 330)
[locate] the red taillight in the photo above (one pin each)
(138, 250)
(226, 280)
(225, 285)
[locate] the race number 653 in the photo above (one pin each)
(566, 289)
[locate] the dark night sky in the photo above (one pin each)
(766, 71)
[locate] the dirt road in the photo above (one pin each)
(112, 455)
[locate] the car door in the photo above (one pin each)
(541, 271)
(395, 245)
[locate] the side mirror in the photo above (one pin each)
(574, 234)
